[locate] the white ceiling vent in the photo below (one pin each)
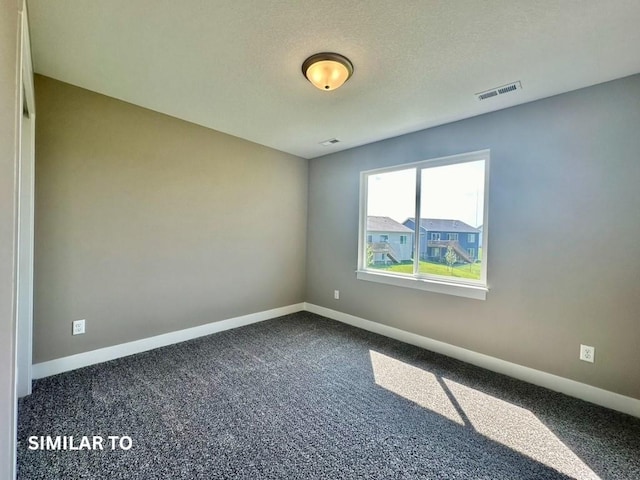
(494, 92)
(331, 141)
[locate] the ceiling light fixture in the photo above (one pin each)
(327, 71)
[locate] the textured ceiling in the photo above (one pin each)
(235, 66)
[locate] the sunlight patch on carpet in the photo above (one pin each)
(502, 422)
(422, 388)
(519, 429)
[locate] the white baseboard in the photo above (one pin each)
(72, 362)
(583, 391)
(572, 388)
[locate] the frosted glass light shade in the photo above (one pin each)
(327, 71)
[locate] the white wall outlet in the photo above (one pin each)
(587, 353)
(78, 327)
(336, 294)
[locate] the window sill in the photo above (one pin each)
(476, 292)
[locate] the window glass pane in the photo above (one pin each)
(451, 210)
(391, 199)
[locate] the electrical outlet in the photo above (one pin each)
(78, 327)
(587, 353)
(336, 294)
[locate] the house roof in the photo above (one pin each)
(385, 224)
(444, 225)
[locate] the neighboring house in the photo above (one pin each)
(389, 241)
(480, 237)
(436, 234)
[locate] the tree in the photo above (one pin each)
(370, 255)
(450, 257)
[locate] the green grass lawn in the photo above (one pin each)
(460, 271)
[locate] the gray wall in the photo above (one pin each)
(146, 224)
(8, 112)
(564, 236)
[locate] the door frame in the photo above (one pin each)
(25, 214)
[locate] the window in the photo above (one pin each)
(370, 238)
(438, 195)
(384, 238)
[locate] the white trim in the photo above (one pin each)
(569, 387)
(476, 292)
(72, 362)
(434, 162)
(26, 201)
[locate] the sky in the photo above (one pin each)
(451, 191)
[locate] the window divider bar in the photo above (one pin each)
(416, 224)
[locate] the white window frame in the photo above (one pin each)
(471, 238)
(403, 239)
(453, 237)
(463, 287)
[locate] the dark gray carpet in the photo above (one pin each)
(296, 397)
